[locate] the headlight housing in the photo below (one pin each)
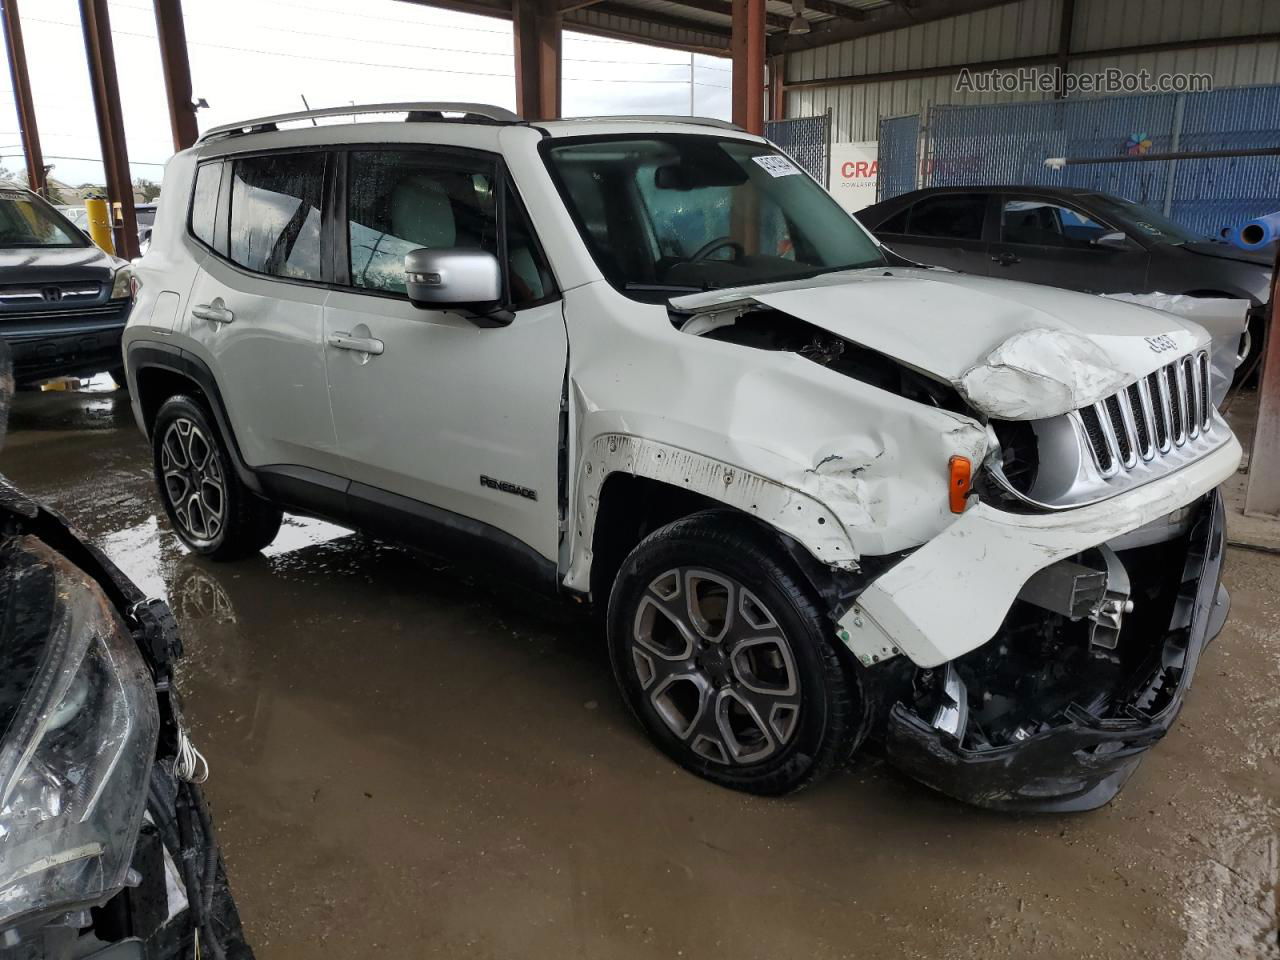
(79, 744)
(121, 288)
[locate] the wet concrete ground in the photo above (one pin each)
(409, 763)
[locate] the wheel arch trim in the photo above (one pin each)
(145, 354)
(785, 509)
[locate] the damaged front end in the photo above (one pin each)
(1087, 672)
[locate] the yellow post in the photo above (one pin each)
(99, 223)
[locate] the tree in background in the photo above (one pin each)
(146, 190)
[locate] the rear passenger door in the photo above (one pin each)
(942, 229)
(255, 313)
(1051, 241)
(441, 413)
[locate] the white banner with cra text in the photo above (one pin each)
(853, 173)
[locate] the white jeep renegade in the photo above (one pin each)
(819, 492)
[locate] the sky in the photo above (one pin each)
(251, 58)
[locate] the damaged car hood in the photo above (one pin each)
(1013, 350)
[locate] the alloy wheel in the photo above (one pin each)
(193, 480)
(715, 666)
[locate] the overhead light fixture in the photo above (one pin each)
(799, 25)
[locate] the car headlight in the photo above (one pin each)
(120, 284)
(80, 738)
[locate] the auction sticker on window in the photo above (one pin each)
(775, 165)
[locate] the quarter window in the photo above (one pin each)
(204, 202)
(275, 214)
(950, 216)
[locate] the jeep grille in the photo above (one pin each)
(1161, 412)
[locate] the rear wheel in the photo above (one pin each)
(725, 656)
(212, 512)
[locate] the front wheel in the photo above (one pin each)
(213, 513)
(725, 656)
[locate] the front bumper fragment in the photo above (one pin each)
(951, 595)
(1082, 763)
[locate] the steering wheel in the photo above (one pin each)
(711, 247)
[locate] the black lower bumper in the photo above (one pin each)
(38, 357)
(1082, 763)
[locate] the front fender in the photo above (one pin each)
(791, 510)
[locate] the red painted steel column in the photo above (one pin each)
(746, 43)
(106, 104)
(536, 25)
(172, 34)
(23, 104)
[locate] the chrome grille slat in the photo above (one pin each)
(1143, 419)
(1150, 418)
(1159, 411)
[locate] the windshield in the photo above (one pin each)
(26, 221)
(1146, 222)
(663, 215)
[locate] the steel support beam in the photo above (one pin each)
(537, 27)
(746, 43)
(1262, 495)
(1065, 26)
(176, 67)
(22, 101)
(101, 58)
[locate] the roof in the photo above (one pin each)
(456, 112)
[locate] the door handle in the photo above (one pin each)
(215, 312)
(345, 341)
(1005, 259)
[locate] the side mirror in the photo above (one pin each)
(1112, 241)
(457, 279)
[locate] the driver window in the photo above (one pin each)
(1046, 224)
(398, 201)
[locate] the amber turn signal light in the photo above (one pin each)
(960, 482)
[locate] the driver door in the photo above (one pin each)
(1055, 243)
(441, 418)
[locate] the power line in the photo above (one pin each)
(359, 63)
(419, 46)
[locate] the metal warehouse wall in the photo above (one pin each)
(1023, 29)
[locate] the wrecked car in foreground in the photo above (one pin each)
(820, 493)
(106, 843)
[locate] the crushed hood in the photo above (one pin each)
(1014, 350)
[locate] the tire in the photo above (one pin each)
(212, 512)
(759, 701)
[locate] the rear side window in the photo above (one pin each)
(275, 214)
(204, 202)
(952, 216)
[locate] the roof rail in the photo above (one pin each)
(666, 118)
(472, 112)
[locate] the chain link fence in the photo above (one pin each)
(807, 141)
